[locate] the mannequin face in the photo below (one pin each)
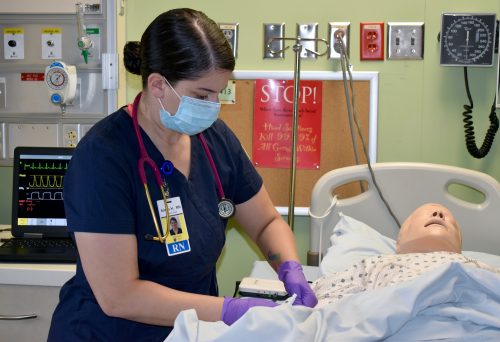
(430, 228)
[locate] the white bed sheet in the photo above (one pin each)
(454, 301)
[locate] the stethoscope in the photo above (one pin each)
(226, 206)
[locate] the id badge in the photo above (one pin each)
(177, 241)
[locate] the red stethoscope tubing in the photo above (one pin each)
(144, 157)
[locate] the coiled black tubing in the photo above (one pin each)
(470, 139)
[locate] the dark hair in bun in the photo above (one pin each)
(180, 44)
(132, 57)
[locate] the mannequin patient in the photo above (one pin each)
(430, 237)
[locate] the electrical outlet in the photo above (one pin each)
(338, 30)
(70, 135)
(230, 30)
(372, 41)
(405, 40)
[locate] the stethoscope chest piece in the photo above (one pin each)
(226, 208)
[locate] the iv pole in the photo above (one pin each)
(297, 48)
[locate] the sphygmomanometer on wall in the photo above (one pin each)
(468, 40)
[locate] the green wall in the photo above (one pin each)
(420, 103)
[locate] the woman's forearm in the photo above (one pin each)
(277, 242)
(151, 303)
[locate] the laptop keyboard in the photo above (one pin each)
(39, 243)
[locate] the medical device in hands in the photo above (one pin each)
(262, 288)
(61, 80)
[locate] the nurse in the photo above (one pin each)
(166, 155)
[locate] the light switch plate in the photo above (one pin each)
(309, 31)
(274, 31)
(405, 40)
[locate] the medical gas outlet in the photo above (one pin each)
(61, 80)
(338, 31)
(13, 43)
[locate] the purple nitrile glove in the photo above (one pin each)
(234, 308)
(291, 274)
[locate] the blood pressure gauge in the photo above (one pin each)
(61, 80)
(467, 39)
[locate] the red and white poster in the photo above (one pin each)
(273, 124)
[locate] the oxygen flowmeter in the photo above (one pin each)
(84, 42)
(61, 80)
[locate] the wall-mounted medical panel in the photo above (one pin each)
(26, 94)
(3, 153)
(45, 38)
(31, 134)
(51, 84)
(40, 132)
(48, 6)
(3, 94)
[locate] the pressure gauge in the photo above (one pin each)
(61, 80)
(467, 39)
(57, 78)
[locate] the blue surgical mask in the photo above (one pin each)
(193, 115)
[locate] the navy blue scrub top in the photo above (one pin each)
(103, 194)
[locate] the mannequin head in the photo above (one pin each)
(430, 228)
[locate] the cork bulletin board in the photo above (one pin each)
(336, 142)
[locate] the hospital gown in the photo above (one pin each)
(384, 270)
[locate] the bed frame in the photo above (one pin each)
(406, 186)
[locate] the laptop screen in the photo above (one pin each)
(38, 207)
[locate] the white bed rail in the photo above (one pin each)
(406, 186)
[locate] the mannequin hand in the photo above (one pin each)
(234, 308)
(290, 273)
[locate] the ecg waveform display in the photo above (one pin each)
(46, 165)
(40, 188)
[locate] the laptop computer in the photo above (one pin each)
(39, 226)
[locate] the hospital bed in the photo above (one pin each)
(447, 303)
(405, 186)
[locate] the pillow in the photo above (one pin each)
(353, 241)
